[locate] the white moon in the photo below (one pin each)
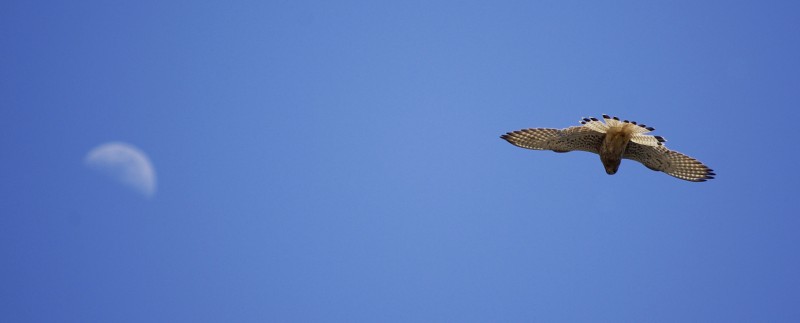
(125, 163)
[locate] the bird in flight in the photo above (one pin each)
(614, 140)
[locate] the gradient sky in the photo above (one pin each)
(340, 161)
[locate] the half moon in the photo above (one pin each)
(126, 164)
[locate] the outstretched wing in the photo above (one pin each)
(558, 140)
(659, 158)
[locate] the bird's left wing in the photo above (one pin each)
(558, 140)
(659, 158)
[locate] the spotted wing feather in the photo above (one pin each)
(558, 140)
(660, 158)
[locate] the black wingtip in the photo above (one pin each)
(650, 128)
(615, 118)
(594, 119)
(586, 119)
(605, 116)
(633, 122)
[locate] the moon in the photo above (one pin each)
(126, 164)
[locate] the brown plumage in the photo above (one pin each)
(614, 140)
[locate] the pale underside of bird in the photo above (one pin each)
(614, 140)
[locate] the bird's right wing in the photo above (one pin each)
(558, 140)
(659, 158)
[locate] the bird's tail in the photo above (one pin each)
(638, 131)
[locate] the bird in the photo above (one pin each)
(614, 140)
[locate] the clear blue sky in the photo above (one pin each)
(340, 161)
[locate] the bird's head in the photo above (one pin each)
(611, 165)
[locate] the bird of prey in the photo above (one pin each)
(613, 141)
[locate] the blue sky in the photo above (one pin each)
(341, 161)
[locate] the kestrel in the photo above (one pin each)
(613, 141)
